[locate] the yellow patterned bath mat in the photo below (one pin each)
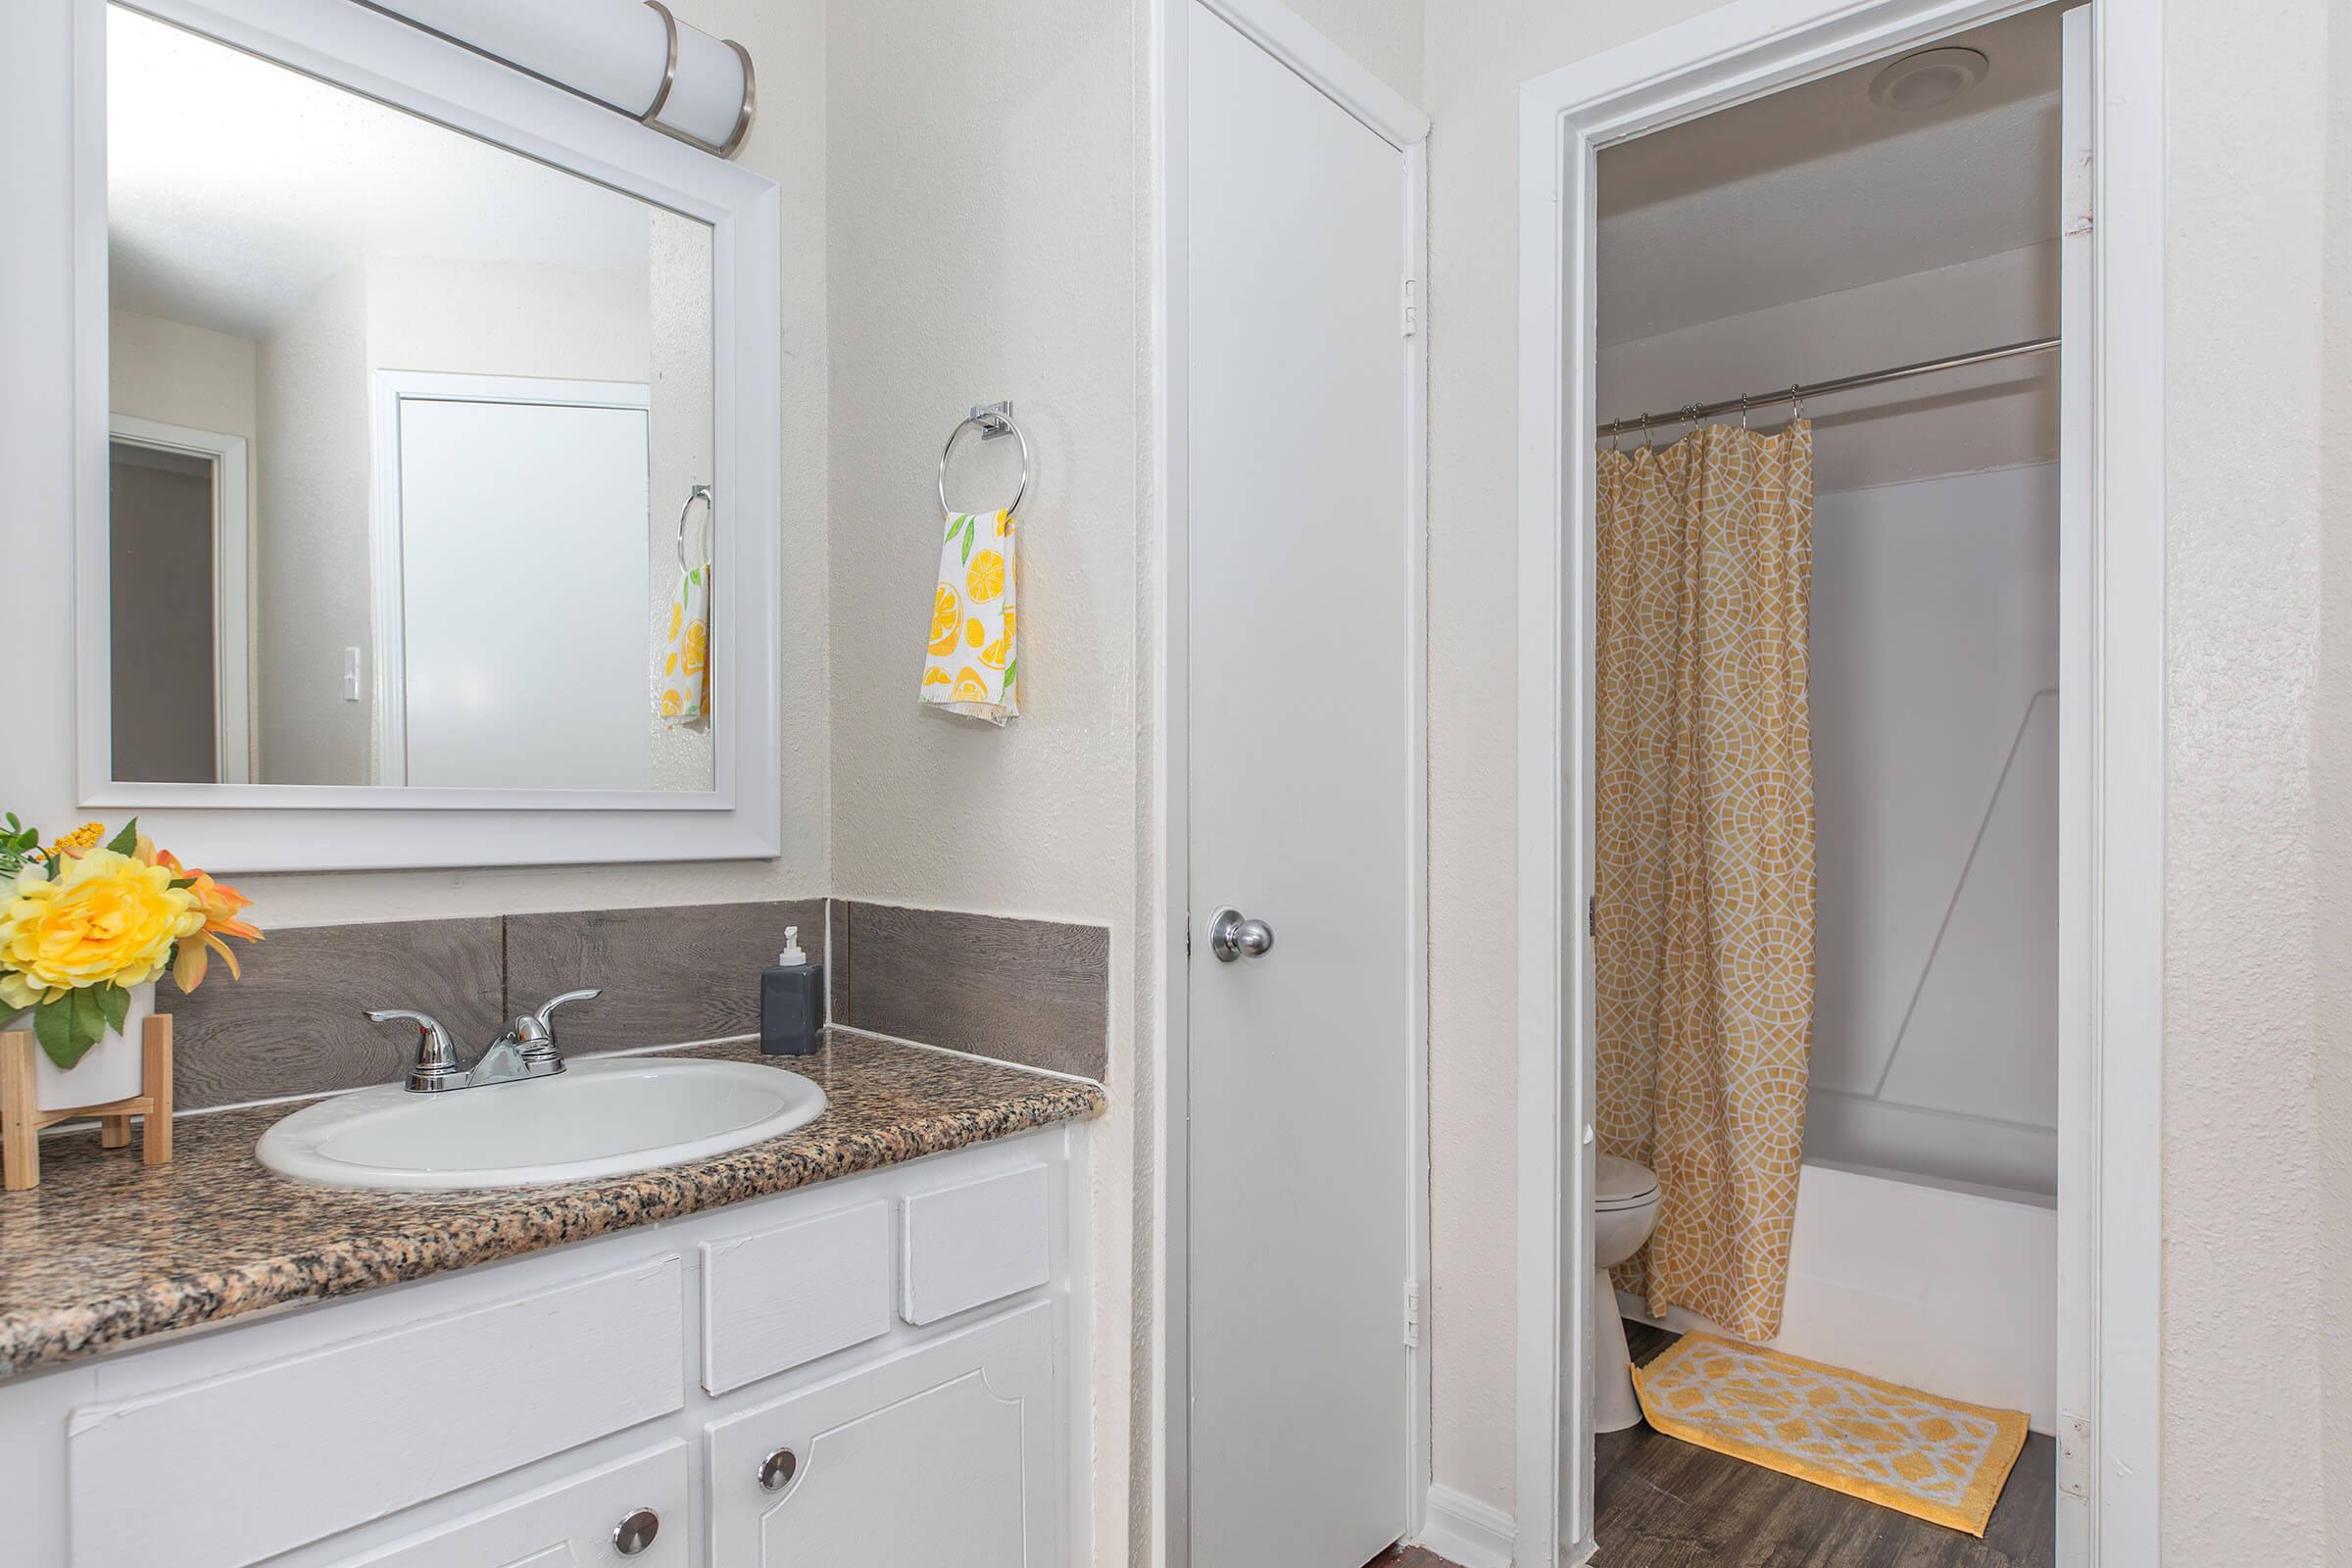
(1933, 1459)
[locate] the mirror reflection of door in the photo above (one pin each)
(177, 604)
(511, 582)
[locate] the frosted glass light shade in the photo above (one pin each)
(618, 52)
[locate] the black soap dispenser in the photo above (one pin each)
(791, 1001)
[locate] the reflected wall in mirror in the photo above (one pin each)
(400, 427)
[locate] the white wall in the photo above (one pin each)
(1934, 708)
(988, 235)
(2244, 1413)
(788, 144)
(310, 540)
(1986, 416)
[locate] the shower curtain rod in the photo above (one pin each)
(1693, 413)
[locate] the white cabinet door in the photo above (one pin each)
(948, 1454)
(568, 1525)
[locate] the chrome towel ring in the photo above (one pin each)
(994, 422)
(702, 493)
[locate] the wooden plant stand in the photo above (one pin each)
(21, 1118)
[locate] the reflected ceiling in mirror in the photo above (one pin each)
(401, 428)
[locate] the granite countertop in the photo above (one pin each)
(107, 1249)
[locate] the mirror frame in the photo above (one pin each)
(301, 827)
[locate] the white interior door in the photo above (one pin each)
(1302, 789)
(523, 612)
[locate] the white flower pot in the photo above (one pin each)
(115, 1068)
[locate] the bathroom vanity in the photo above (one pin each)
(862, 1342)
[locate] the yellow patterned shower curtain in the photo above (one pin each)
(1704, 942)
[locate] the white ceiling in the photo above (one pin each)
(1816, 189)
(236, 187)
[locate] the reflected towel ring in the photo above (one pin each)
(994, 420)
(702, 493)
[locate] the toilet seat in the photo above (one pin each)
(1621, 1184)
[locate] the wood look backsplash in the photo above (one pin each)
(1034, 993)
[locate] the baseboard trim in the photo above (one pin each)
(1465, 1531)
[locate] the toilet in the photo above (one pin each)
(1625, 1205)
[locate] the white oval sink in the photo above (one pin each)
(606, 1116)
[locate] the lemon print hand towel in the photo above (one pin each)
(682, 685)
(970, 668)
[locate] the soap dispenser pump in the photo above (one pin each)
(791, 1001)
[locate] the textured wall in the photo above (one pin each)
(1479, 52)
(2243, 1417)
(988, 206)
(1385, 36)
(2332, 758)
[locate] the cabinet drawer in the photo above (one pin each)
(947, 1453)
(780, 1298)
(564, 1524)
(260, 1460)
(977, 1243)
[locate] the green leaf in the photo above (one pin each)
(114, 1003)
(125, 842)
(1012, 668)
(69, 1026)
(183, 882)
(971, 529)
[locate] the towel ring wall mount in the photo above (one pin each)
(994, 422)
(702, 493)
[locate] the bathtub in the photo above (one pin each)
(1938, 1285)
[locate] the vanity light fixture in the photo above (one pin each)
(630, 55)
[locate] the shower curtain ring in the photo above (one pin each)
(1797, 395)
(1647, 440)
(1742, 411)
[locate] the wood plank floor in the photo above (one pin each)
(1662, 1504)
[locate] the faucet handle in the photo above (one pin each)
(436, 1053)
(536, 1032)
(547, 1010)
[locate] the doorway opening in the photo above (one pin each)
(178, 592)
(1826, 816)
(1831, 638)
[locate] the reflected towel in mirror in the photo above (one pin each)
(682, 684)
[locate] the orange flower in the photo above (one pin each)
(219, 904)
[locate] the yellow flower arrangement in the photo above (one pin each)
(81, 924)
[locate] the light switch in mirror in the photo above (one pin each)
(401, 424)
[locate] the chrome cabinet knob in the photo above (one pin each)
(636, 1532)
(1231, 937)
(778, 1468)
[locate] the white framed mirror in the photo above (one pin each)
(427, 454)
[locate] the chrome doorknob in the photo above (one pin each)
(1231, 937)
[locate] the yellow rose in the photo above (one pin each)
(107, 918)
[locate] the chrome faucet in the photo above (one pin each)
(526, 1050)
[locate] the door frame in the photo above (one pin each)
(387, 390)
(232, 579)
(1282, 33)
(2112, 842)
